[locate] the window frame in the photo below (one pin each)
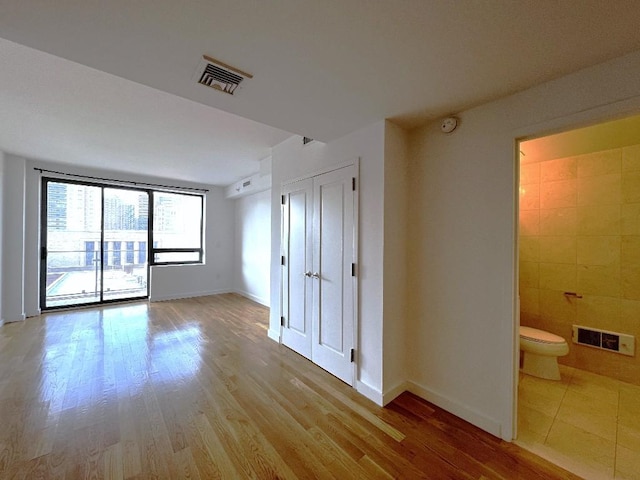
(153, 250)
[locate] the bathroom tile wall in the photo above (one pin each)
(580, 232)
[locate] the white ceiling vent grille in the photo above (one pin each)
(220, 76)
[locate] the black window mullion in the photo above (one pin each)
(102, 256)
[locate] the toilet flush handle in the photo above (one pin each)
(572, 294)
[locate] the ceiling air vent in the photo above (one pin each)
(215, 74)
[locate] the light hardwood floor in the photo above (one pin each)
(195, 389)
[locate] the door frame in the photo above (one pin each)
(572, 121)
(43, 242)
(354, 162)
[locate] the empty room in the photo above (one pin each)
(394, 239)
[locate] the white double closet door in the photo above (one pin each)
(319, 289)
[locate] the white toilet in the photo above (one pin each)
(541, 351)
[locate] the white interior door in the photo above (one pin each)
(318, 286)
(333, 260)
(297, 283)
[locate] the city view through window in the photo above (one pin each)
(92, 259)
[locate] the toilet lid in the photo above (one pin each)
(540, 335)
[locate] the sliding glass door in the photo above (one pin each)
(94, 243)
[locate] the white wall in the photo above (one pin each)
(21, 224)
(462, 237)
(2, 187)
(13, 220)
(252, 259)
(395, 261)
(291, 160)
(216, 275)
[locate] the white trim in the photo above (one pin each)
(188, 295)
(255, 298)
(274, 335)
(391, 394)
(463, 411)
(358, 269)
(21, 318)
(329, 168)
(370, 392)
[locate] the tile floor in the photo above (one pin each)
(586, 423)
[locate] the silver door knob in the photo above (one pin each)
(315, 275)
(308, 274)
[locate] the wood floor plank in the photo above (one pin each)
(194, 389)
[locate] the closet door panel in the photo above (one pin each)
(297, 251)
(333, 236)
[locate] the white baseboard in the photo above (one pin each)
(178, 296)
(274, 335)
(18, 318)
(458, 409)
(370, 392)
(390, 395)
(255, 298)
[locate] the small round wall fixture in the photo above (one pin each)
(448, 124)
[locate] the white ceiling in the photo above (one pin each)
(321, 69)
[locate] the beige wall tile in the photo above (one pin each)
(631, 158)
(630, 404)
(599, 220)
(630, 320)
(600, 163)
(529, 249)
(529, 222)
(529, 159)
(558, 221)
(630, 219)
(631, 282)
(598, 312)
(631, 250)
(630, 438)
(556, 307)
(557, 249)
(598, 250)
(530, 197)
(529, 173)
(556, 276)
(599, 280)
(529, 274)
(528, 318)
(558, 169)
(627, 463)
(631, 187)
(600, 190)
(529, 302)
(558, 194)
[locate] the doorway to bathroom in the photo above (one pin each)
(579, 271)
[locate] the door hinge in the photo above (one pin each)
(282, 321)
(353, 269)
(353, 355)
(283, 199)
(282, 260)
(353, 184)
(43, 253)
